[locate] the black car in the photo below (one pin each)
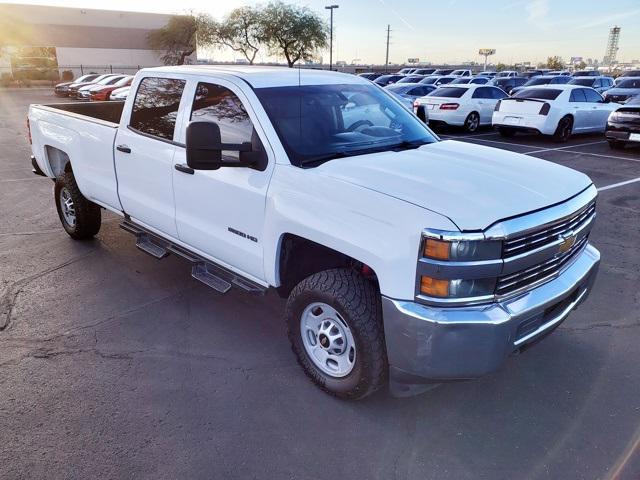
(370, 75)
(509, 83)
(586, 73)
(625, 89)
(62, 89)
(627, 74)
(388, 79)
(532, 73)
(623, 125)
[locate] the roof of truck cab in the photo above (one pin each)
(264, 76)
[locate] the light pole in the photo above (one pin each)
(331, 7)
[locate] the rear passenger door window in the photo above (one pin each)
(214, 103)
(592, 96)
(481, 92)
(577, 95)
(155, 107)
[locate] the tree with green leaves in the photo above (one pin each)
(555, 63)
(177, 39)
(295, 32)
(240, 31)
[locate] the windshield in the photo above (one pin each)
(411, 79)
(538, 93)
(316, 123)
(585, 82)
(537, 81)
(631, 83)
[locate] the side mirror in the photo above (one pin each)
(204, 148)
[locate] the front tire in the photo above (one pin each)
(80, 217)
(472, 122)
(564, 130)
(334, 323)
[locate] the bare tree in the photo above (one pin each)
(293, 31)
(239, 31)
(177, 39)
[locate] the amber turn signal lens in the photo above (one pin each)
(434, 287)
(436, 249)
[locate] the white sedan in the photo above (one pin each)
(557, 110)
(467, 106)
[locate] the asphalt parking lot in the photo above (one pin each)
(116, 365)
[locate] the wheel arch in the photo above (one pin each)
(298, 257)
(58, 160)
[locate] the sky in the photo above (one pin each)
(441, 31)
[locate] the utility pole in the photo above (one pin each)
(386, 61)
(330, 8)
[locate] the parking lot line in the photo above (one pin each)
(565, 147)
(619, 184)
(615, 157)
(469, 136)
(492, 141)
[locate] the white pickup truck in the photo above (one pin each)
(405, 259)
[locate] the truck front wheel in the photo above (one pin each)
(334, 323)
(80, 217)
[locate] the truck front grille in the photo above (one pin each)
(549, 233)
(529, 277)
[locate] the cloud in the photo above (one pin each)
(537, 10)
(608, 19)
(397, 14)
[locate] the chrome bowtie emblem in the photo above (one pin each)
(568, 241)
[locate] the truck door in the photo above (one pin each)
(144, 151)
(221, 212)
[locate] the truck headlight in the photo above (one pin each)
(461, 250)
(457, 288)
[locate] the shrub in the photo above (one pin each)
(67, 75)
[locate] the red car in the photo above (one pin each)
(102, 93)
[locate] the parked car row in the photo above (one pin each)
(555, 109)
(96, 87)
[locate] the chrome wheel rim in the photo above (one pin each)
(472, 122)
(327, 340)
(67, 207)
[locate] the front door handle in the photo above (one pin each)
(181, 167)
(123, 149)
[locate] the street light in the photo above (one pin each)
(331, 7)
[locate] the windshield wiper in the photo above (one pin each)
(404, 145)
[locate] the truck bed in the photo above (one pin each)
(109, 112)
(83, 133)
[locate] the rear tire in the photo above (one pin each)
(564, 130)
(334, 324)
(80, 217)
(472, 122)
(506, 132)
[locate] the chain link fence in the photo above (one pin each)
(49, 76)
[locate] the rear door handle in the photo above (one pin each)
(123, 149)
(181, 167)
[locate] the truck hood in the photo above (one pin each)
(474, 186)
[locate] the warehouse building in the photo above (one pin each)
(82, 39)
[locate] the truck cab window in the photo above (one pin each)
(214, 103)
(155, 107)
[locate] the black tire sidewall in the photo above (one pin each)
(88, 215)
(370, 369)
(565, 125)
(342, 385)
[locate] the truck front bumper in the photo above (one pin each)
(427, 345)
